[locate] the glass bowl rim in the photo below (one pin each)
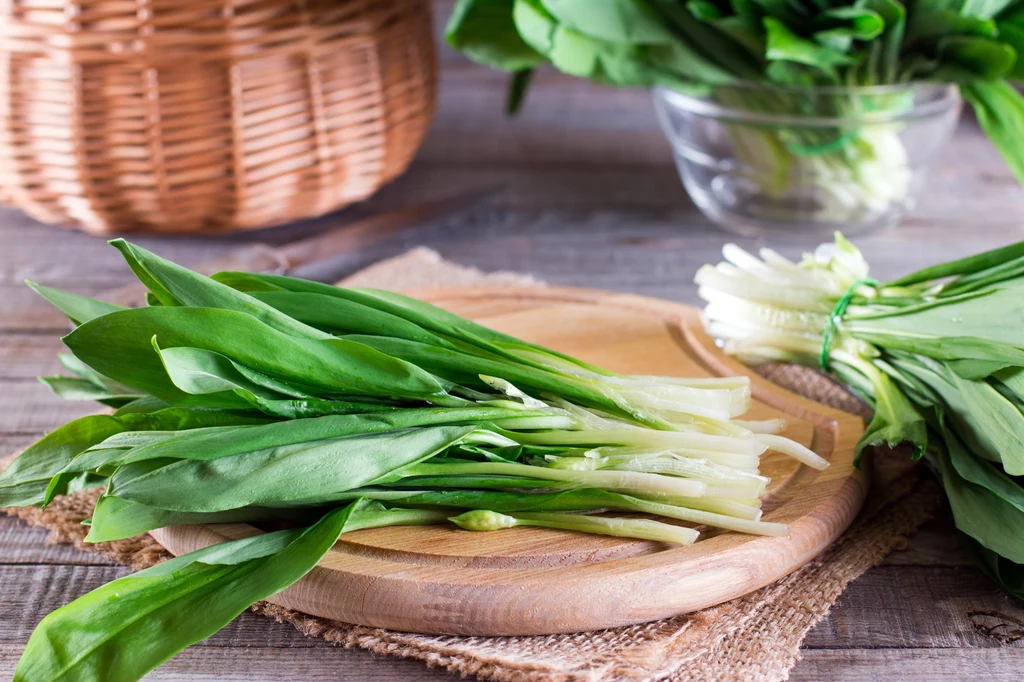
(948, 99)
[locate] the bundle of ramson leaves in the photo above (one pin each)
(938, 353)
(267, 399)
(707, 46)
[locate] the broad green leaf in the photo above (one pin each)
(74, 388)
(963, 266)
(423, 315)
(860, 22)
(784, 45)
(78, 367)
(985, 9)
(79, 309)
(1000, 111)
(926, 26)
(950, 348)
(535, 24)
(120, 346)
(894, 15)
(287, 474)
(986, 475)
(1011, 31)
(980, 513)
(235, 440)
(717, 47)
(994, 315)
(303, 408)
(466, 370)
(201, 372)
(1008, 574)
(337, 315)
(989, 424)
(968, 58)
(119, 632)
(24, 483)
(617, 21)
(116, 519)
(188, 288)
(484, 31)
(896, 420)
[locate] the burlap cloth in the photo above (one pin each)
(756, 637)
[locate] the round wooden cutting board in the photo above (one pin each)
(527, 581)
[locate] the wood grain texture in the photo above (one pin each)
(442, 580)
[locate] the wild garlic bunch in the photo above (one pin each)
(938, 353)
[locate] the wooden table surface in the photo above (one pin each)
(590, 198)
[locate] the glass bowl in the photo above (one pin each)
(763, 160)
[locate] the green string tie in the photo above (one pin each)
(835, 316)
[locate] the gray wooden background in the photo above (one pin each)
(590, 198)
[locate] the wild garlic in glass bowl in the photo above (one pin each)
(761, 160)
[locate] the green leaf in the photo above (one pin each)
(311, 407)
(986, 475)
(484, 31)
(784, 45)
(989, 424)
(24, 483)
(1011, 31)
(68, 388)
(1008, 574)
(979, 512)
(926, 26)
(176, 285)
(954, 348)
(235, 440)
(969, 58)
(969, 265)
(120, 346)
(861, 22)
(894, 15)
(424, 318)
(287, 474)
(466, 370)
(1000, 111)
(79, 309)
(202, 372)
(615, 21)
(119, 632)
(994, 315)
(985, 9)
(896, 420)
(117, 519)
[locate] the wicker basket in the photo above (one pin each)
(203, 115)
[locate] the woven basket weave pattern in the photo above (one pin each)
(201, 115)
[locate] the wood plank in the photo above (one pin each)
(913, 665)
(27, 406)
(32, 591)
(260, 661)
(890, 607)
(27, 356)
(25, 544)
(918, 607)
(933, 545)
